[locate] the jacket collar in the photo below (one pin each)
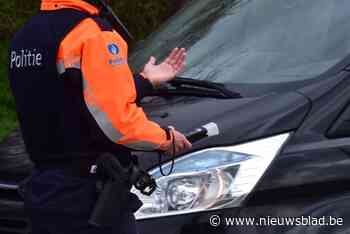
(51, 5)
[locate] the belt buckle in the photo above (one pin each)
(93, 169)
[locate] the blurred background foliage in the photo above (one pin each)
(141, 17)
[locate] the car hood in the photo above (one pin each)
(239, 120)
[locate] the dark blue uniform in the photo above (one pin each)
(61, 136)
(61, 204)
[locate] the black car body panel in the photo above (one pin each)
(306, 158)
(239, 120)
(336, 205)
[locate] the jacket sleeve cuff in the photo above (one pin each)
(168, 133)
(143, 87)
(169, 139)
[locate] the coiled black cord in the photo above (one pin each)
(160, 154)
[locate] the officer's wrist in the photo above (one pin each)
(154, 83)
(168, 133)
(169, 138)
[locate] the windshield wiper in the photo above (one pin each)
(192, 87)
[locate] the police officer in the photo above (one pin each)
(77, 98)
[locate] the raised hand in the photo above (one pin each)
(166, 70)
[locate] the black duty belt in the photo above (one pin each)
(80, 165)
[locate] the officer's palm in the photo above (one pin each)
(167, 70)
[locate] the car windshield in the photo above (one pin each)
(253, 41)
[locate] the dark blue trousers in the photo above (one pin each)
(58, 203)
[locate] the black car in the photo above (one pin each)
(274, 77)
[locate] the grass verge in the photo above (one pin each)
(8, 116)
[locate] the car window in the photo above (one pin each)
(254, 41)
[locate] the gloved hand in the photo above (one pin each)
(167, 70)
(180, 143)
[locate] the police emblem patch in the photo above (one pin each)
(113, 49)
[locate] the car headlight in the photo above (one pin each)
(213, 178)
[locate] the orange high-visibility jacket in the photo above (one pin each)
(110, 90)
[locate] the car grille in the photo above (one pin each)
(14, 226)
(12, 216)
